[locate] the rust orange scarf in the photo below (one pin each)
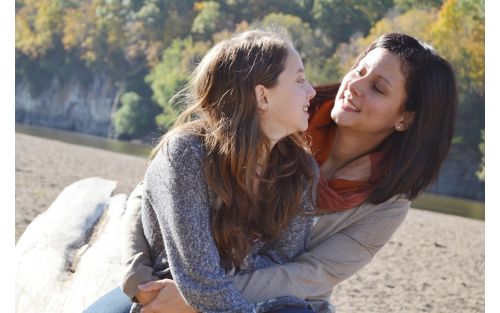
(351, 184)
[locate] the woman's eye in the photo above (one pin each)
(301, 80)
(377, 89)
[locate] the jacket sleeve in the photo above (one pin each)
(136, 261)
(176, 190)
(342, 243)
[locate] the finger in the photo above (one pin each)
(155, 285)
(148, 308)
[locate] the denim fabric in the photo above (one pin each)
(292, 310)
(114, 301)
(285, 303)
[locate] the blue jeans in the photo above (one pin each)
(114, 301)
(292, 310)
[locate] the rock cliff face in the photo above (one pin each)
(70, 105)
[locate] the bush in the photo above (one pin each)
(133, 118)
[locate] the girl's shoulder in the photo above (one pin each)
(313, 164)
(183, 144)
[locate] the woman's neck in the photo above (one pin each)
(347, 146)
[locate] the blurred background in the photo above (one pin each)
(100, 73)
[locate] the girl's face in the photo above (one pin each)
(284, 106)
(371, 96)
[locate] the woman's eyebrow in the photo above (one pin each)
(364, 64)
(386, 80)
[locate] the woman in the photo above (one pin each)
(231, 190)
(379, 139)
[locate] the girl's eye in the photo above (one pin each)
(301, 81)
(358, 71)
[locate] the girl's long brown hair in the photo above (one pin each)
(223, 112)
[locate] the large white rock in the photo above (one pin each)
(70, 255)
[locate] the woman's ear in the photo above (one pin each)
(405, 121)
(261, 96)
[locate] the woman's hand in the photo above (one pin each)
(168, 298)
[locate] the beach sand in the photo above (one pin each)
(434, 262)
(45, 167)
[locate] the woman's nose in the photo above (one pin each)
(355, 86)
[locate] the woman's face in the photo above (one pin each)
(284, 106)
(371, 96)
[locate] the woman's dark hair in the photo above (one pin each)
(413, 157)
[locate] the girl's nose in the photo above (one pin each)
(311, 92)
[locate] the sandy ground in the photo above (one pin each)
(44, 167)
(434, 263)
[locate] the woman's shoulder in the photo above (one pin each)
(399, 204)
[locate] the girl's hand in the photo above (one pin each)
(168, 298)
(145, 297)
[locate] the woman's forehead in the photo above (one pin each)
(385, 64)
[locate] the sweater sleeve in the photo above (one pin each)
(177, 192)
(136, 261)
(342, 244)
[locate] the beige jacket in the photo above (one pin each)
(341, 244)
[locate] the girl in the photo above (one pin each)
(230, 185)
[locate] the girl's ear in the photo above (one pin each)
(405, 121)
(260, 95)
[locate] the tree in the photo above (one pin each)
(153, 24)
(300, 32)
(417, 4)
(208, 19)
(133, 118)
(458, 35)
(309, 44)
(171, 75)
(38, 26)
(339, 20)
(252, 10)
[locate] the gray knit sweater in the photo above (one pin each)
(176, 219)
